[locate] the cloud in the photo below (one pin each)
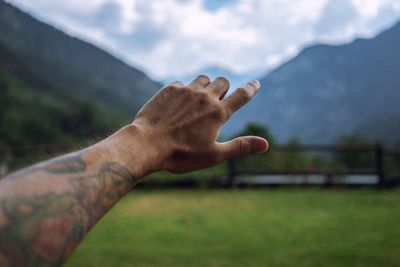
(176, 37)
(340, 11)
(108, 16)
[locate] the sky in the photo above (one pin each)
(172, 38)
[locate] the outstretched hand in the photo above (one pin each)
(181, 124)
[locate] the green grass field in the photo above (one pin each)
(280, 227)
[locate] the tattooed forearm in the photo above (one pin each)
(62, 165)
(67, 164)
(41, 226)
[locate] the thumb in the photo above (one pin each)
(244, 145)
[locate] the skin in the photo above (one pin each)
(46, 209)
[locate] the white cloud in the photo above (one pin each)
(176, 37)
(369, 8)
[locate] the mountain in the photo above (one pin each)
(55, 89)
(327, 91)
(33, 112)
(72, 66)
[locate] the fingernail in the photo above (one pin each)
(256, 83)
(260, 145)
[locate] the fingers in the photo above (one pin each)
(200, 82)
(244, 145)
(241, 96)
(219, 87)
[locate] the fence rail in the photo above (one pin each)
(20, 156)
(378, 151)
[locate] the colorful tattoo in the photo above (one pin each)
(42, 230)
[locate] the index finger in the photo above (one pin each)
(241, 96)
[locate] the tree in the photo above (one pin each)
(294, 159)
(355, 159)
(267, 161)
(257, 129)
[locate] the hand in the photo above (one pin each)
(181, 124)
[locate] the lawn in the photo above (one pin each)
(278, 227)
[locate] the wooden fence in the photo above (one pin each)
(234, 174)
(377, 167)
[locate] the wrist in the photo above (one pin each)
(135, 149)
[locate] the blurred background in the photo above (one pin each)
(72, 72)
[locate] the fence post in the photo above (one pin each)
(328, 180)
(231, 172)
(379, 163)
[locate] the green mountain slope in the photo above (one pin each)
(33, 112)
(55, 89)
(72, 66)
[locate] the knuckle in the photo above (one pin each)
(203, 77)
(241, 146)
(223, 81)
(243, 93)
(244, 146)
(171, 88)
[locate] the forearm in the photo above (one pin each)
(45, 210)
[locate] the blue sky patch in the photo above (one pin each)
(214, 5)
